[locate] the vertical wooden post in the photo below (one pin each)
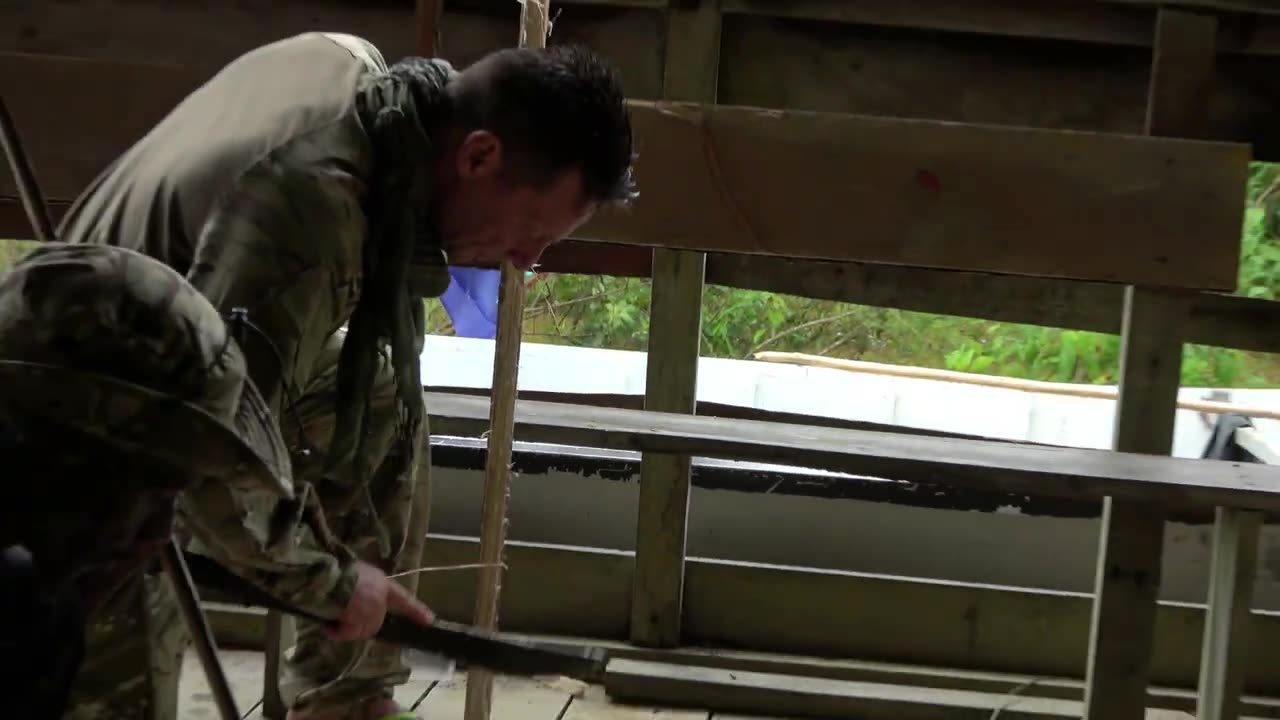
(1132, 541)
(690, 72)
(534, 23)
(1231, 570)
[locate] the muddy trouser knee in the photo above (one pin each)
(133, 655)
(41, 640)
(318, 671)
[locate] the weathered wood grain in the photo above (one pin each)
(778, 696)
(963, 197)
(1012, 467)
(691, 72)
(1127, 579)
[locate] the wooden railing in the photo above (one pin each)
(1118, 233)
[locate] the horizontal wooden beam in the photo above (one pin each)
(447, 425)
(1216, 319)
(1087, 206)
(983, 465)
(1266, 7)
(1084, 21)
(1006, 62)
(814, 185)
(771, 609)
(645, 682)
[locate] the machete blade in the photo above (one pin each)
(463, 643)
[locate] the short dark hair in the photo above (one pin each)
(553, 108)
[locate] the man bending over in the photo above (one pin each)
(314, 186)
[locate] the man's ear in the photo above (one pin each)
(479, 155)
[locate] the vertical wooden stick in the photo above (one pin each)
(534, 23)
(1131, 550)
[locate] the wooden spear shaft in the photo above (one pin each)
(534, 23)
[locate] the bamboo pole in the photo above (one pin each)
(534, 25)
(1038, 386)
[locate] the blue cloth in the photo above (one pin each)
(471, 301)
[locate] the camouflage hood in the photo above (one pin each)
(107, 342)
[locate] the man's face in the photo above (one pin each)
(486, 219)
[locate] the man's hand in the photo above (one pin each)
(376, 595)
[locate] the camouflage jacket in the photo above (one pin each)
(255, 187)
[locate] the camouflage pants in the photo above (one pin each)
(133, 655)
(134, 647)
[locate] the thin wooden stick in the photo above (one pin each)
(1039, 386)
(534, 24)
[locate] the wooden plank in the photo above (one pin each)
(446, 425)
(595, 705)
(769, 694)
(1213, 6)
(691, 71)
(1215, 319)
(1034, 470)
(1132, 542)
(821, 66)
(1084, 179)
(766, 182)
(190, 32)
(535, 26)
(1003, 684)
(1092, 22)
(39, 26)
(1103, 23)
(1226, 636)
(675, 337)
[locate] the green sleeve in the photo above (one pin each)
(285, 245)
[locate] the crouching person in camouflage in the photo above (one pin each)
(314, 186)
(120, 389)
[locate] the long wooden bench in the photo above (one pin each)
(978, 464)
